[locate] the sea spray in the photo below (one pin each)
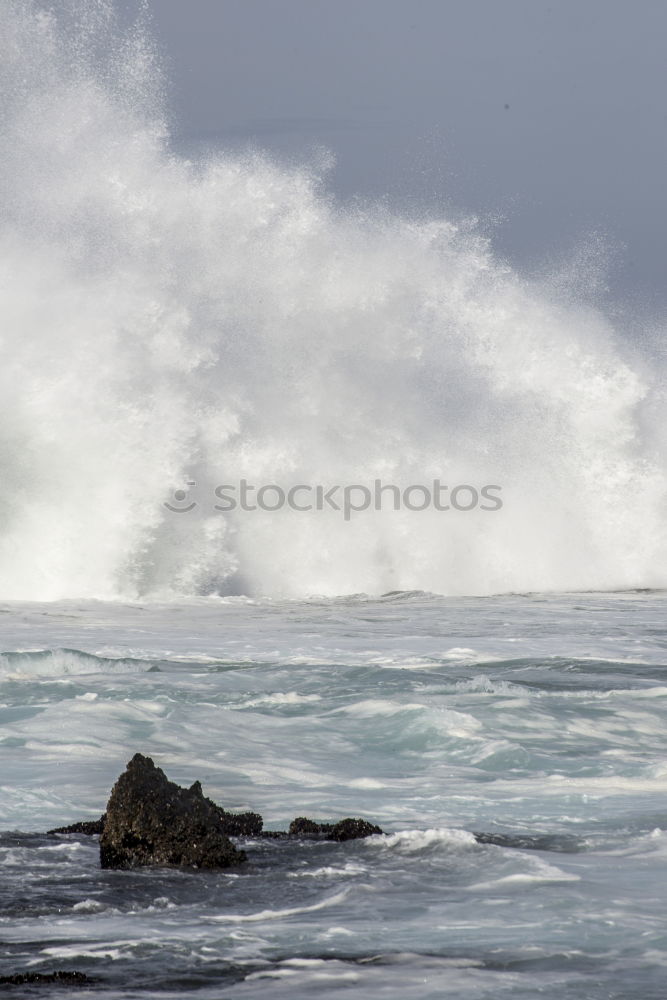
(171, 324)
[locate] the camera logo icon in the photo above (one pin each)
(180, 496)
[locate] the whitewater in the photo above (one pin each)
(169, 321)
(541, 718)
(173, 324)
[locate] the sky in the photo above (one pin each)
(545, 118)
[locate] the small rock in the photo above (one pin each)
(35, 978)
(89, 827)
(345, 829)
(302, 827)
(350, 829)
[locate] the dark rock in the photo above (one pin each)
(235, 824)
(302, 827)
(34, 978)
(351, 829)
(89, 827)
(153, 821)
(240, 824)
(247, 824)
(345, 829)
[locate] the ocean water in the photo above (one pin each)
(534, 716)
(170, 325)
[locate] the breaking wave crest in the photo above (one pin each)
(171, 323)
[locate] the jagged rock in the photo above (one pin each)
(89, 827)
(241, 824)
(248, 824)
(345, 829)
(153, 821)
(35, 978)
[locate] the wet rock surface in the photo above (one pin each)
(39, 978)
(241, 824)
(88, 827)
(153, 821)
(344, 829)
(248, 824)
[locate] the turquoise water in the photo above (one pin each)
(433, 717)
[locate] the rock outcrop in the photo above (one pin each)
(153, 821)
(89, 827)
(344, 829)
(37, 978)
(248, 824)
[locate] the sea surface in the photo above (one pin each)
(541, 717)
(172, 325)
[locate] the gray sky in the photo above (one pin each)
(411, 97)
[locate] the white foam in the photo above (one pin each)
(59, 663)
(264, 915)
(91, 906)
(168, 322)
(524, 878)
(351, 868)
(280, 698)
(373, 707)
(414, 841)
